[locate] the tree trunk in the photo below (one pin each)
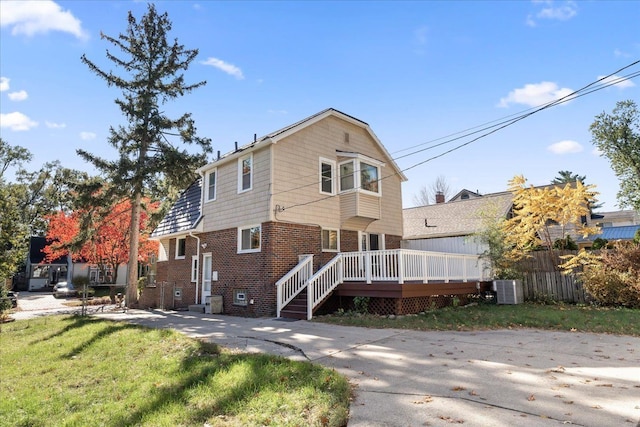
(134, 239)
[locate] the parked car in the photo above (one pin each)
(64, 289)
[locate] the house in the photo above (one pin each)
(41, 275)
(451, 227)
(614, 226)
(293, 214)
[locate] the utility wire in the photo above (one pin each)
(574, 95)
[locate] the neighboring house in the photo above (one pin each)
(321, 186)
(614, 226)
(42, 275)
(451, 227)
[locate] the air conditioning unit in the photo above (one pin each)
(508, 291)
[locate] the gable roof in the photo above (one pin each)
(457, 218)
(184, 215)
(275, 137)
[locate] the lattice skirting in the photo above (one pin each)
(397, 306)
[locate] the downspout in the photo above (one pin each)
(198, 261)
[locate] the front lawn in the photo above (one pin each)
(80, 371)
(563, 317)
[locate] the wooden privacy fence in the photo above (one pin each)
(543, 280)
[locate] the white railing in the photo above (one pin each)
(394, 265)
(323, 282)
(294, 281)
(406, 264)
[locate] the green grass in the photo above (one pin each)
(562, 317)
(79, 371)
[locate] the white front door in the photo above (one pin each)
(206, 276)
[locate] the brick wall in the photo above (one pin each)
(253, 273)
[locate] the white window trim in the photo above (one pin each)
(194, 268)
(206, 186)
(357, 181)
(240, 160)
(333, 175)
(337, 240)
(246, 251)
(178, 247)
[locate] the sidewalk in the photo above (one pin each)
(410, 378)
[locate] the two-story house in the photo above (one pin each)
(292, 214)
(323, 185)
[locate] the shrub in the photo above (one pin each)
(361, 304)
(611, 278)
(599, 243)
(565, 244)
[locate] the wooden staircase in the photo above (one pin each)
(297, 308)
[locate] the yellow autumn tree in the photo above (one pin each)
(544, 215)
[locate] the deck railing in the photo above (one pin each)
(394, 265)
(406, 264)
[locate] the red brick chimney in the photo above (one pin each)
(439, 197)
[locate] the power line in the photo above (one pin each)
(585, 90)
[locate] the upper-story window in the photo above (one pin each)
(245, 173)
(181, 247)
(211, 184)
(359, 175)
(327, 176)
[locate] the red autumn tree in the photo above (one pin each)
(107, 243)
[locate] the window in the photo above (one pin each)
(327, 173)
(181, 247)
(366, 177)
(346, 176)
(330, 240)
(211, 182)
(249, 239)
(245, 173)
(194, 268)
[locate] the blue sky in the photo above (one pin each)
(414, 71)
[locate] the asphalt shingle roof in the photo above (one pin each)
(458, 218)
(184, 214)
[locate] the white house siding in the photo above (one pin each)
(296, 176)
(455, 245)
(231, 209)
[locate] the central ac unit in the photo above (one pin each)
(508, 291)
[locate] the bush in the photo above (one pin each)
(613, 277)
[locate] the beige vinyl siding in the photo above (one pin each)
(231, 209)
(297, 176)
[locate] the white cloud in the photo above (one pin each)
(87, 136)
(421, 35)
(230, 69)
(535, 94)
(16, 122)
(35, 17)
(565, 147)
(18, 96)
(617, 81)
(4, 84)
(553, 11)
(52, 125)
(596, 152)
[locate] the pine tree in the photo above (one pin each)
(147, 145)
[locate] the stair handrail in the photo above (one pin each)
(294, 281)
(321, 284)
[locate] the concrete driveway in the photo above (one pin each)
(32, 304)
(408, 378)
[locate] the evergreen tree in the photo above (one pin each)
(148, 144)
